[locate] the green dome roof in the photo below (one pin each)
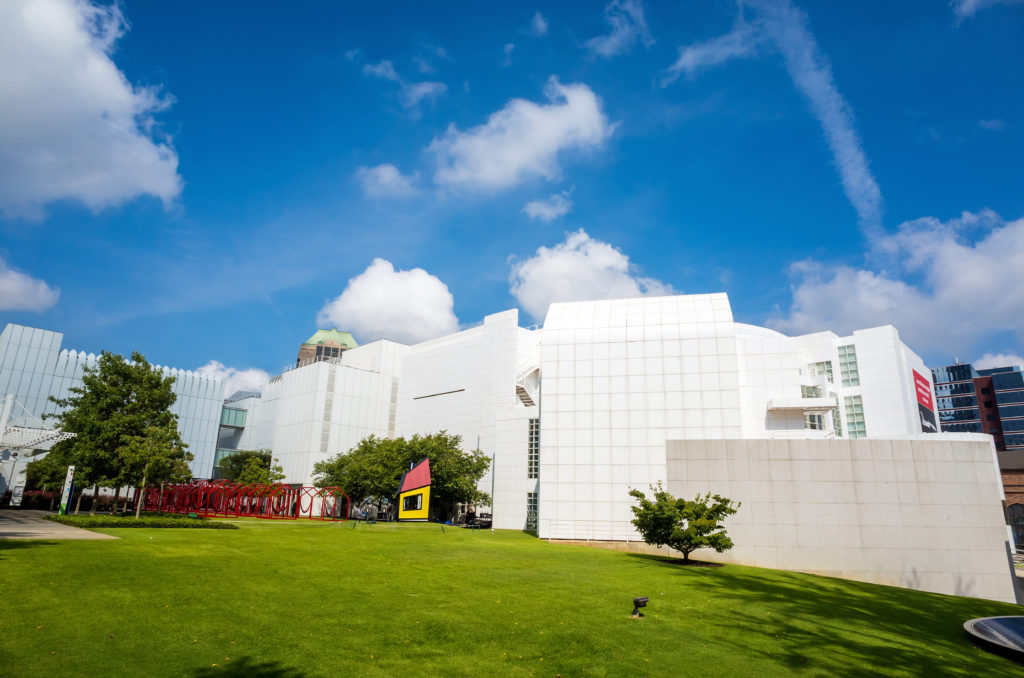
(343, 338)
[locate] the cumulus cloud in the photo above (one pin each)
(71, 125)
(538, 25)
(410, 94)
(557, 205)
(21, 292)
(522, 140)
(626, 20)
(235, 380)
(386, 181)
(964, 9)
(382, 303)
(785, 28)
(578, 269)
(963, 285)
(993, 360)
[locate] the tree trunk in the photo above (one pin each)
(117, 498)
(79, 502)
(160, 501)
(53, 498)
(142, 497)
(95, 499)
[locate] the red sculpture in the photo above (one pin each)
(225, 499)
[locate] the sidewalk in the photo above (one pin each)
(15, 524)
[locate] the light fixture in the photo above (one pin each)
(637, 604)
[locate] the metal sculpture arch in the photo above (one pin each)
(225, 499)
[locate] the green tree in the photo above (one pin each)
(156, 457)
(116, 404)
(258, 471)
(373, 469)
(682, 524)
(231, 466)
(48, 473)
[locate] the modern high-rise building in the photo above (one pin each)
(323, 345)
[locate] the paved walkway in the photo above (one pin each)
(16, 524)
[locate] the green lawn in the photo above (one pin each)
(302, 599)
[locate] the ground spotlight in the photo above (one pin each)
(637, 604)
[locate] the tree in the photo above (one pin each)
(231, 466)
(681, 524)
(374, 467)
(117, 403)
(258, 471)
(158, 456)
(48, 473)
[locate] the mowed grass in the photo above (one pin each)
(313, 599)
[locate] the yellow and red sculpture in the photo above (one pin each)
(414, 493)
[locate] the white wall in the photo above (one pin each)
(921, 513)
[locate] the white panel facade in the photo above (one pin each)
(919, 513)
(33, 367)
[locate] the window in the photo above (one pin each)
(848, 365)
(814, 422)
(814, 369)
(531, 510)
(533, 450)
(810, 392)
(413, 503)
(855, 425)
(837, 421)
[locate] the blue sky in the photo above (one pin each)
(210, 181)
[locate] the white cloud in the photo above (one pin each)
(21, 292)
(414, 92)
(993, 360)
(557, 205)
(507, 61)
(71, 125)
(578, 269)
(993, 125)
(967, 8)
(538, 25)
(382, 303)
(521, 140)
(742, 41)
(410, 94)
(786, 29)
(233, 379)
(627, 23)
(384, 69)
(386, 181)
(951, 285)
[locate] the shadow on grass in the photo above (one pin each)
(246, 667)
(853, 628)
(14, 544)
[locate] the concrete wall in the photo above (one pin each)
(919, 513)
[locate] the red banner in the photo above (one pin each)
(923, 387)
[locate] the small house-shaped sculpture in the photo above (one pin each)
(414, 493)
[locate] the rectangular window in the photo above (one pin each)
(848, 365)
(810, 392)
(413, 503)
(855, 425)
(531, 510)
(837, 421)
(814, 422)
(825, 367)
(533, 450)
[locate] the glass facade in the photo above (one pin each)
(825, 367)
(961, 388)
(951, 373)
(232, 417)
(848, 371)
(856, 427)
(956, 402)
(533, 454)
(958, 415)
(810, 391)
(1007, 380)
(814, 422)
(532, 505)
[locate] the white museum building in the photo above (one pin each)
(828, 442)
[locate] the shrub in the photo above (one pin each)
(169, 520)
(682, 524)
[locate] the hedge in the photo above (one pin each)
(143, 521)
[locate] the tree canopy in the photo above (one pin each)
(258, 470)
(373, 469)
(123, 425)
(682, 524)
(231, 466)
